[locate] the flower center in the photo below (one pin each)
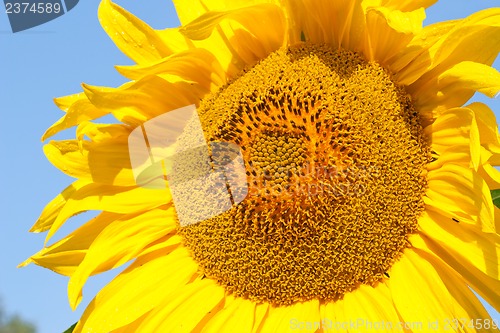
(335, 160)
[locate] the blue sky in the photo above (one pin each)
(49, 61)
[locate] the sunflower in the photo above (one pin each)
(367, 192)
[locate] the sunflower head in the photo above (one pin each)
(277, 163)
(335, 158)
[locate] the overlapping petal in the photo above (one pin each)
(186, 309)
(86, 196)
(132, 36)
(78, 109)
(454, 138)
(476, 39)
(105, 163)
(446, 262)
(235, 37)
(389, 31)
(137, 102)
(299, 316)
(456, 85)
(67, 254)
(138, 290)
(461, 193)
(440, 295)
(120, 242)
(193, 65)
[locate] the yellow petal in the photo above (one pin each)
(238, 38)
(196, 65)
(487, 123)
(136, 102)
(339, 23)
(237, 315)
(455, 155)
(333, 318)
(491, 175)
(98, 133)
(64, 263)
(254, 39)
(459, 192)
(218, 43)
(123, 200)
(65, 102)
(53, 208)
(304, 315)
(407, 5)
(464, 242)
(405, 22)
(389, 31)
(106, 162)
(277, 317)
(493, 151)
(189, 11)
(132, 36)
(456, 85)
(249, 34)
(475, 38)
(203, 26)
(481, 283)
(261, 312)
(370, 309)
(417, 49)
(455, 130)
(186, 309)
(175, 41)
(78, 111)
(130, 328)
(67, 254)
(118, 243)
(473, 75)
(430, 297)
(497, 218)
(139, 289)
(301, 316)
(170, 240)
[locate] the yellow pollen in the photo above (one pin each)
(335, 160)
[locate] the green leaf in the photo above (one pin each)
(70, 330)
(495, 195)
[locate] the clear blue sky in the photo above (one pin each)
(49, 61)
